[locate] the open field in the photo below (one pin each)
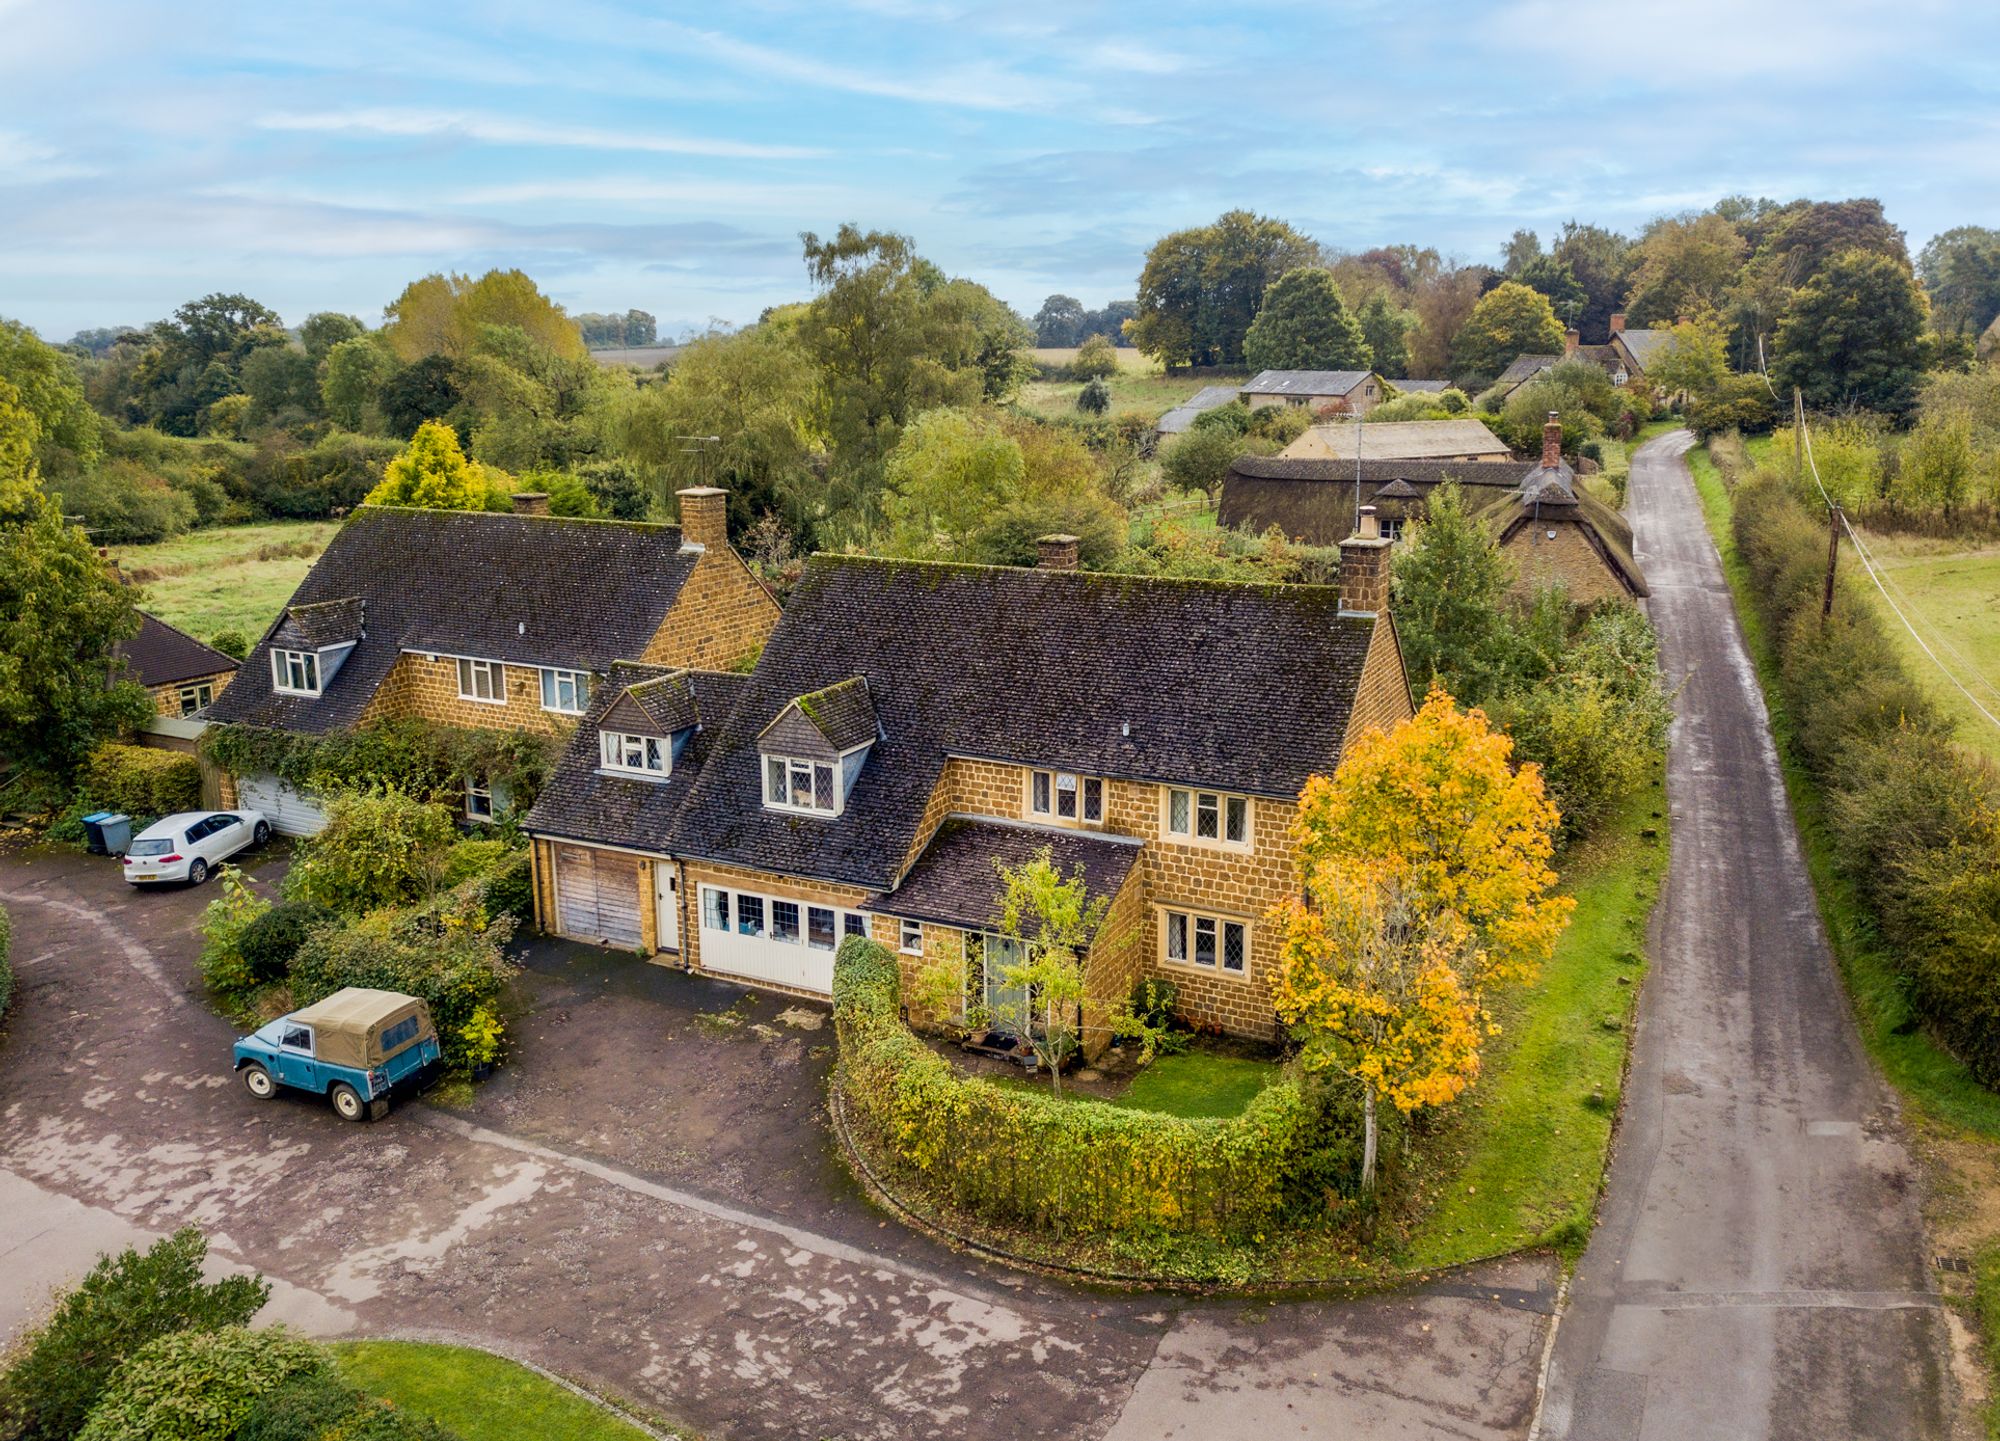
(1139, 385)
(1128, 358)
(233, 577)
(1951, 594)
(480, 1396)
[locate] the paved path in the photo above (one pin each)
(647, 1201)
(1759, 1267)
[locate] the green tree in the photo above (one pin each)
(126, 1302)
(1961, 270)
(432, 473)
(378, 848)
(446, 315)
(1303, 324)
(1201, 288)
(324, 329)
(1095, 359)
(1386, 330)
(1059, 322)
(48, 386)
(1695, 362)
(423, 390)
(1509, 320)
(351, 381)
(199, 1385)
(1052, 919)
(1683, 264)
(280, 379)
(1553, 277)
(1854, 336)
(950, 471)
(1450, 580)
(1094, 398)
(1599, 259)
(1199, 460)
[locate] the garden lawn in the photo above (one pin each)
(230, 578)
(1195, 1084)
(481, 1396)
(1522, 1157)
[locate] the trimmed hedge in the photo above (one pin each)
(1915, 822)
(1026, 1158)
(142, 780)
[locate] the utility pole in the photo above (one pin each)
(1832, 559)
(1798, 438)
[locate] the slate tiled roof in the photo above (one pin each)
(1244, 687)
(1646, 345)
(1397, 440)
(956, 883)
(1523, 368)
(322, 623)
(841, 713)
(161, 655)
(529, 590)
(1303, 382)
(668, 701)
(1421, 387)
(580, 802)
(1183, 415)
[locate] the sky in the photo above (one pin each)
(666, 157)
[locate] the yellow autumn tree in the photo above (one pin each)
(446, 315)
(1425, 862)
(432, 473)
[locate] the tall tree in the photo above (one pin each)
(351, 382)
(1442, 302)
(1201, 288)
(324, 329)
(1449, 581)
(1304, 325)
(949, 472)
(1682, 264)
(1854, 336)
(444, 315)
(1961, 270)
(1509, 320)
(1599, 259)
(48, 386)
(1552, 276)
(1387, 331)
(1522, 248)
(1059, 322)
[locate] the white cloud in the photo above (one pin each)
(496, 130)
(25, 160)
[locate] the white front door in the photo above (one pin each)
(667, 903)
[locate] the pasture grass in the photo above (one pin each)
(234, 577)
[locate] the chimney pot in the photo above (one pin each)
(531, 502)
(705, 516)
(1056, 552)
(1552, 442)
(1571, 340)
(1617, 321)
(1371, 528)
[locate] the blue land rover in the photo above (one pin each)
(354, 1048)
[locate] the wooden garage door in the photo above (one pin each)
(597, 896)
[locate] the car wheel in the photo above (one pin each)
(257, 1081)
(197, 871)
(347, 1103)
(262, 834)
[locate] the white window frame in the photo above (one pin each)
(479, 800)
(1221, 804)
(846, 921)
(792, 766)
(307, 662)
(1189, 923)
(615, 750)
(553, 679)
(201, 692)
(1055, 784)
(910, 937)
(470, 668)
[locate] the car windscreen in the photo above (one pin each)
(150, 848)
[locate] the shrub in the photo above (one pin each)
(1094, 398)
(198, 1385)
(378, 848)
(450, 955)
(1200, 459)
(232, 643)
(472, 857)
(1738, 402)
(269, 942)
(127, 1302)
(224, 969)
(319, 1406)
(1030, 1158)
(508, 889)
(1095, 359)
(141, 780)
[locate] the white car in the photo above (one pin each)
(188, 846)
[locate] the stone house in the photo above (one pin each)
(1624, 357)
(911, 723)
(489, 621)
(1350, 392)
(183, 674)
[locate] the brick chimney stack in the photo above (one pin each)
(1364, 568)
(1057, 552)
(1572, 338)
(1552, 442)
(1617, 322)
(704, 516)
(531, 502)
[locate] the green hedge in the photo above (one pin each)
(1069, 1166)
(1915, 823)
(142, 780)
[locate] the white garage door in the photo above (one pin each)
(769, 938)
(597, 896)
(287, 809)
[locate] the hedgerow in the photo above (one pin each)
(1066, 1166)
(141, 781)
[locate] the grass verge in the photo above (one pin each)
(230, 578)
(1197, 1083)
(481, 1396)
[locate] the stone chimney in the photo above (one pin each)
(1364, 568)
(531, 502)
(1571, 340)
(1058, 552)
(1552, 442)
(704, 516)
(1617, 322)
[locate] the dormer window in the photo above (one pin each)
(793, 784)
(639, 755)
(295, 672)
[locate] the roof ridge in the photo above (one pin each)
(660, 525)
(184, 635)
(1072, 577)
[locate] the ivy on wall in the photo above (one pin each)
(422, 758)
